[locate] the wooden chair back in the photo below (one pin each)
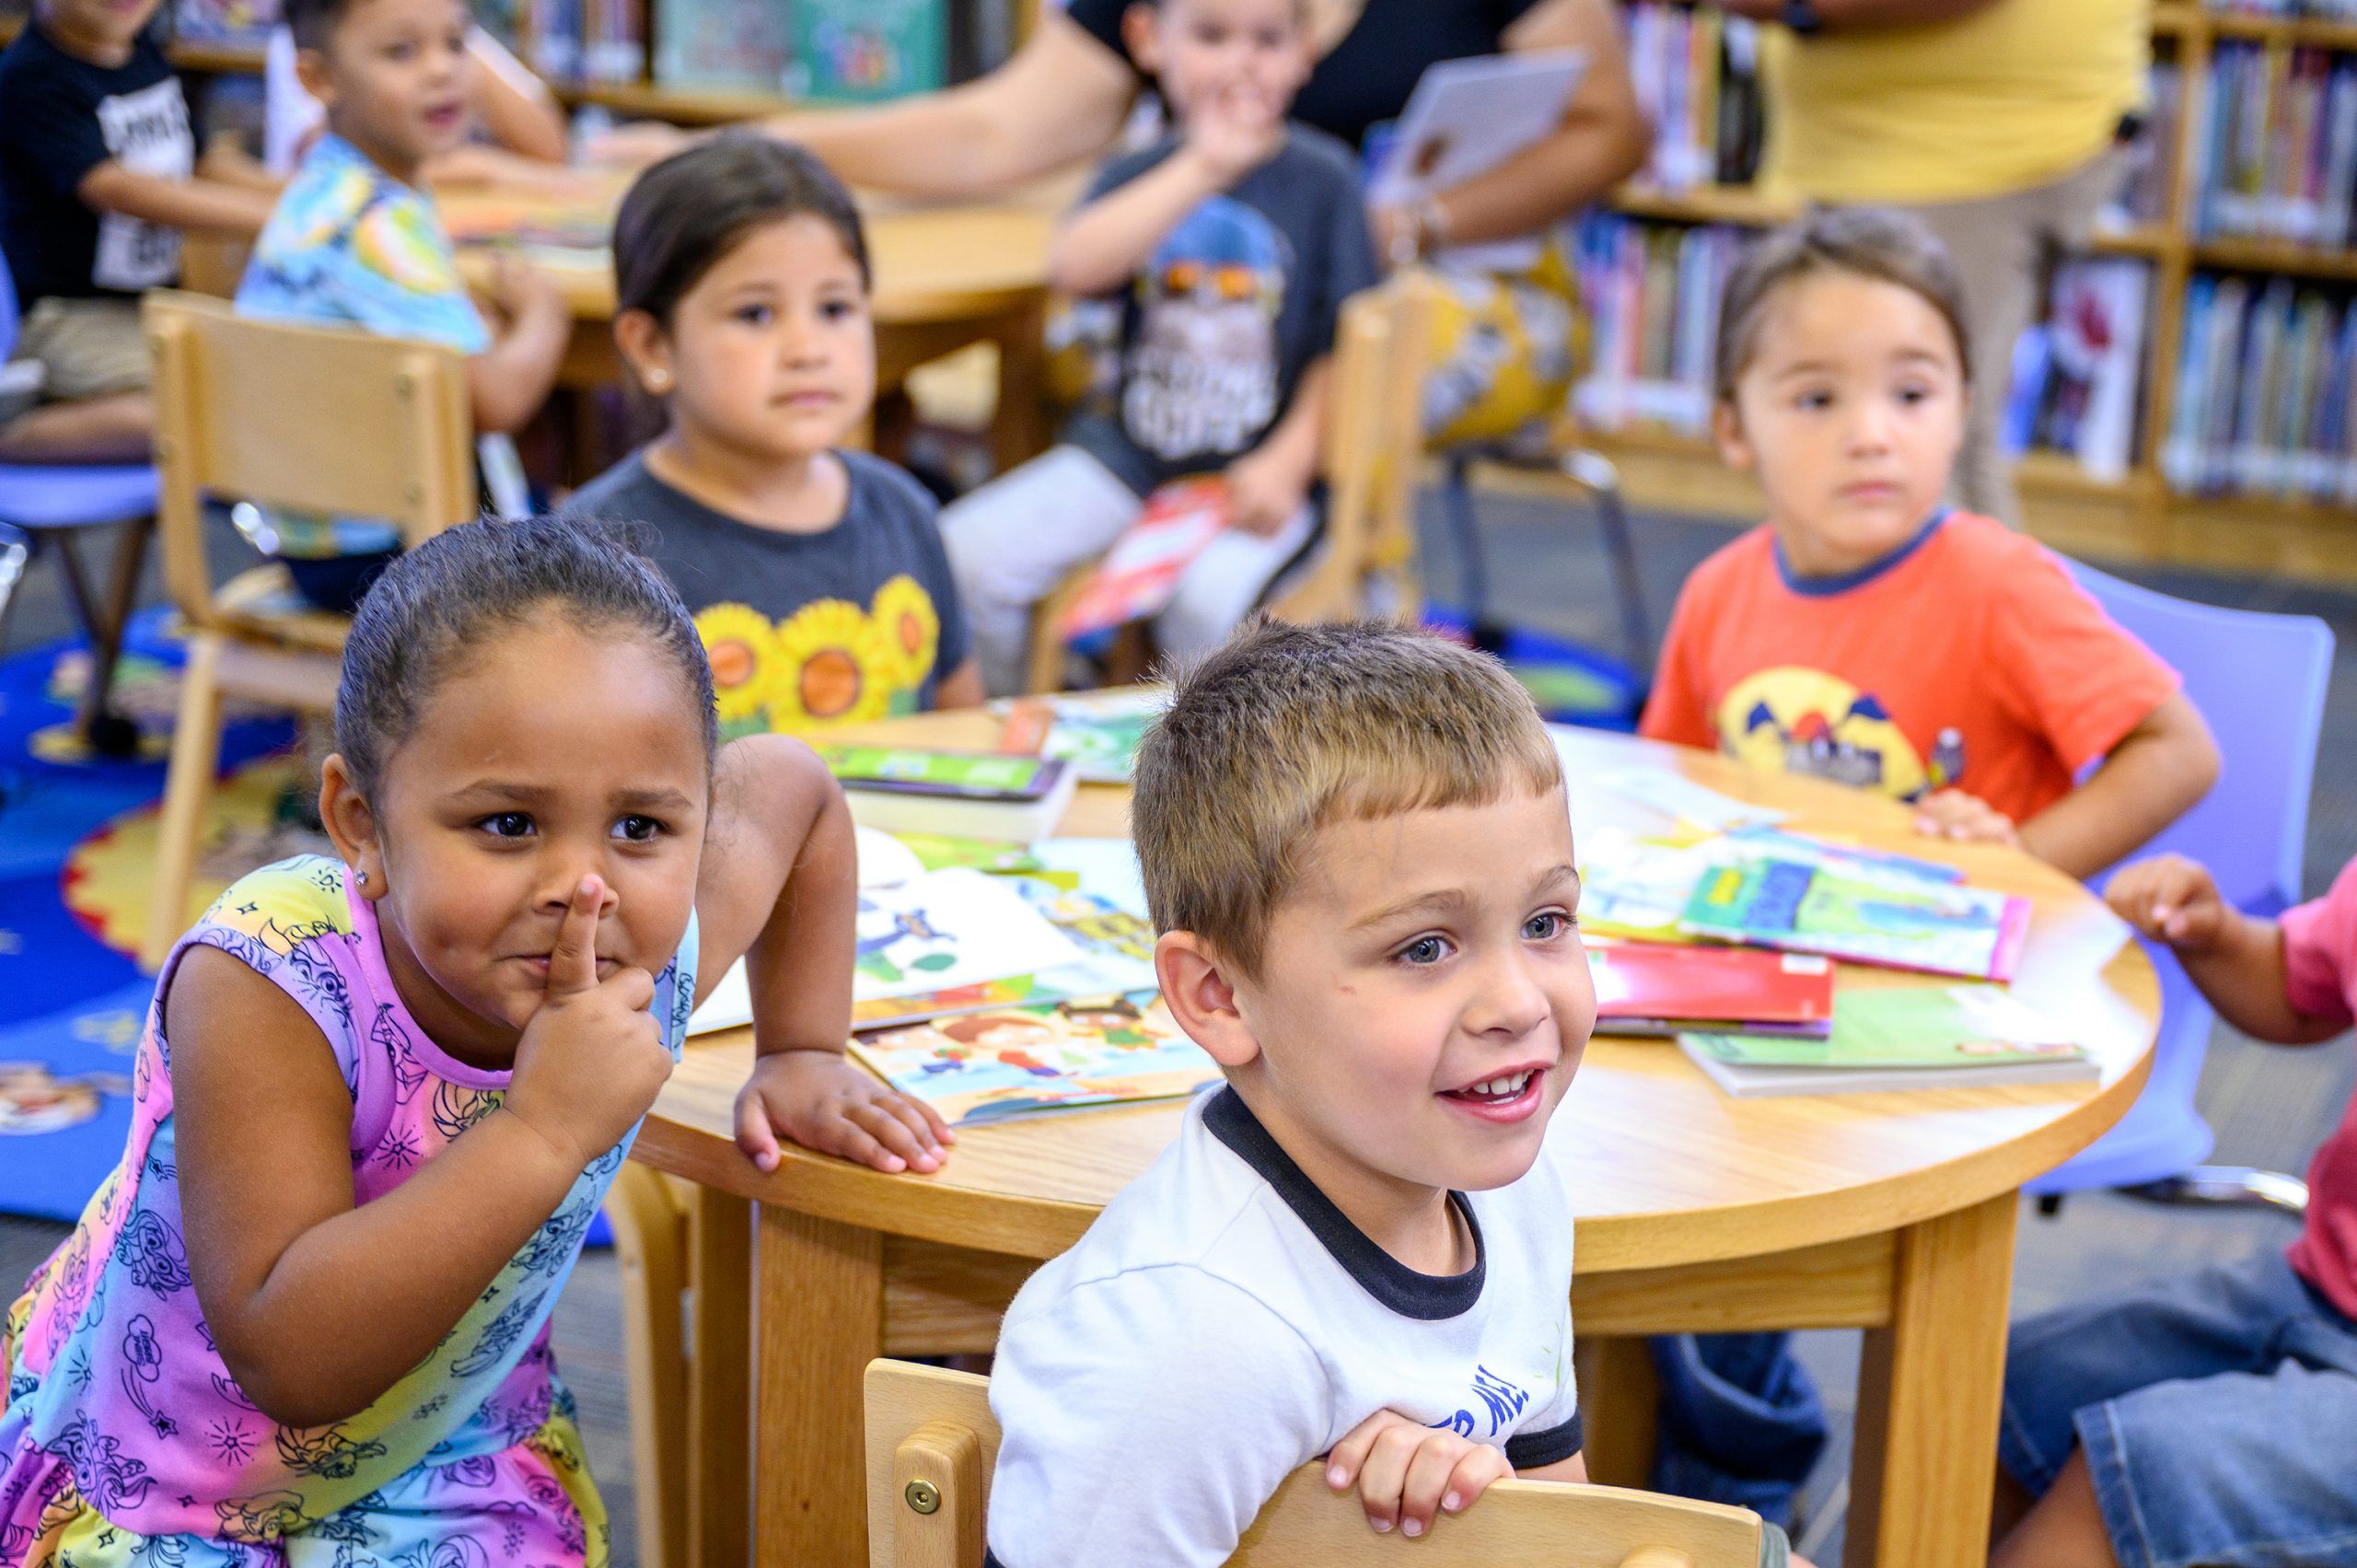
(932, 1444)
(1373, 443)
(312, 419)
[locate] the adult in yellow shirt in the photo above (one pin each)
(1994, 120)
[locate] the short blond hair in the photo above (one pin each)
(1285, 729)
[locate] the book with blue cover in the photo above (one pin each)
(1852, 909)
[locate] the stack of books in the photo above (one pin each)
(1779, 1027)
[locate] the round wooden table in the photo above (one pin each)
(1890, 1213)
(946, 275)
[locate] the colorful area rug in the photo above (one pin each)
(77, 840)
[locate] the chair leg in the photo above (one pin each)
(651, 1244)
(108, 732)
(1472, 572)
(16, 555)
(2230, 1185)
(1594, 472)
(188, 790)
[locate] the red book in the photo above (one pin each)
(1649, 989)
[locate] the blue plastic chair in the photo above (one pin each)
(2260, 679)
(47, 505)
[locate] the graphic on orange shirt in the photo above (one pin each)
(1794, 719)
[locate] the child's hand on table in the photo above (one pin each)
(1407, 1471)
(2171, 900)
(1965, 818)
(591, 1059)
(824, 1102)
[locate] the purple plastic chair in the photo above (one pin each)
(47, 505)
(2260, 679)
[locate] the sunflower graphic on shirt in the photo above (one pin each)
(831, 662)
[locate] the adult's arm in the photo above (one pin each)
(1864, 13)
(1603, 139)
(1060, 99)
(515, 106)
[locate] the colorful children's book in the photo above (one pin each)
(981, 794)
(1900, 1038)
(1637, 888)
(1769, 839)
(1115, 948)
(1140, 574)
(985, 1066)
(1097, 732)
(934, 932)
(940, 851)
(1648, 990)
(1848, 909)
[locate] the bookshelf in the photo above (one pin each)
(619, 70)
(2140, 511)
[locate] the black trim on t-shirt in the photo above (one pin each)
(1427, 1297)
(1535, 1450)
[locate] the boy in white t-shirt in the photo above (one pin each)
(1357, 849)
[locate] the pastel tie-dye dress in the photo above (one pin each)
(126, 1441)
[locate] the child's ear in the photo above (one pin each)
(1726, 430)
(349, 821)
(1140, 34)
(311, 70)
(647, 348)
(1200, 997)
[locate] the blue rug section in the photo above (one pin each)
(70, 1007)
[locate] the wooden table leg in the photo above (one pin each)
(1929, 1392)
(720, 1382)
(819, 1318)
(1618, 1398)
(1018, 431)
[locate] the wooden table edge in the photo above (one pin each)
(938, 1210)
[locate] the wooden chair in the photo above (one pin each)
(1363, 561)
(311, 419)
(930, 1446)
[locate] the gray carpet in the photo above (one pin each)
(2271, 1107)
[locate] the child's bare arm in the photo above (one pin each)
(283, 1261)
(515, 106)
(1103, 245)
(779, 885)
(177, 203)
(509, 381)
(1105, 242)
(1267, 486)
(2236, 962)
(1572, 1470)
(2153, 776)
(962, 688)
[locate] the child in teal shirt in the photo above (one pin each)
(355, 241)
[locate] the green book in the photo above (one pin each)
(1900, 1038)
